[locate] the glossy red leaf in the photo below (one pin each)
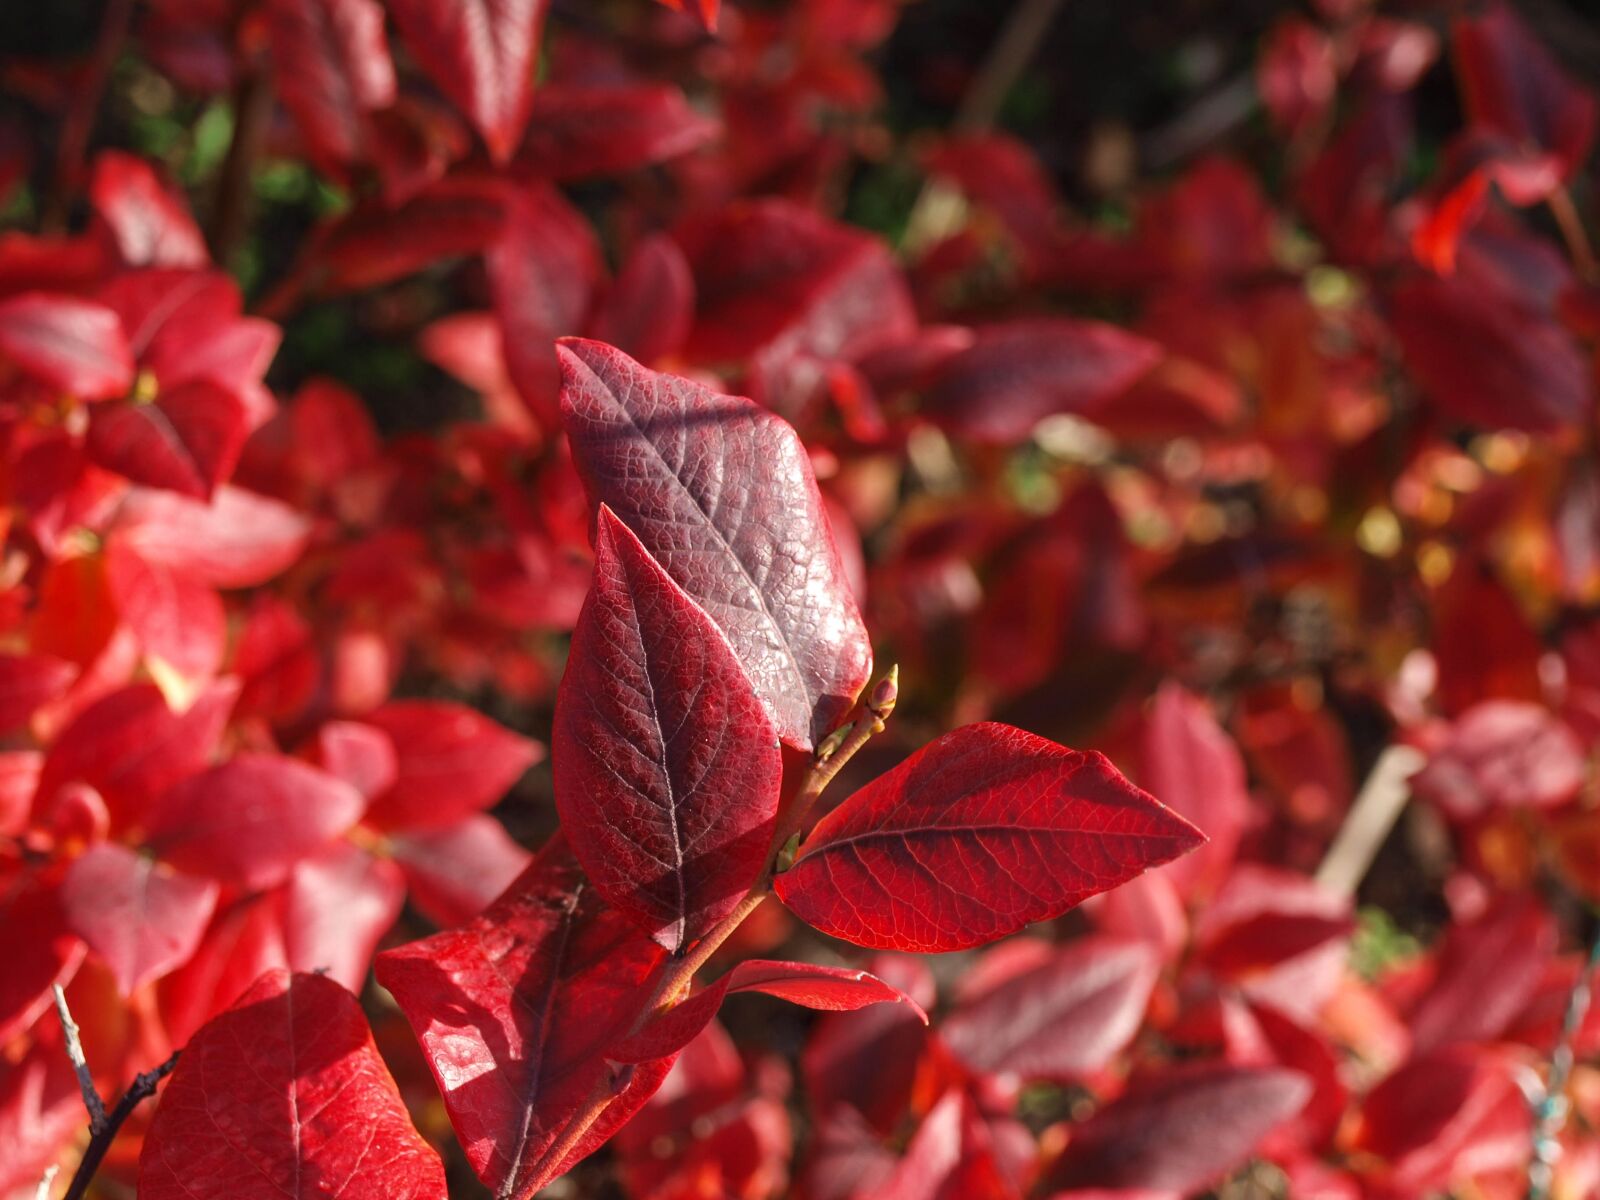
(482, 55)
(950, 1158)
(147, 219)
(450, 762)
(1180, 1130)
(1016, 374)
(974, 836)
(37, 948)
(1061, 1020)
(332, 67)
(28, 681)
(516, 1011)
(830, 989)
(248, 821)
(73, 345)
(679, 465)
(577, 132)
(648, 311)
(188, 440)
(142, 917)
(238, 539)
(666, 766)
(285, 1095)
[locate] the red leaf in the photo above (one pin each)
(238, 540)
(516, 1012)
(950, 1158)
(1062, 1020)
(37, 948)
(703, 11)
(337, 905)
(149, 223)
(666, 767)
(1016, 374)
(482, 55)
(678, 463)
(187, 441)
(173, 618)
(582, 131)
(68, 344)
(648, 311)
(1503, 754)
(248, 821)
(143, 918)
(333, 69)
(1181, 1130)
(454, 873)
(28, 681)
(41, 1109)
(450, 762)
(974, 836)
(373, 244)
(285, 1095)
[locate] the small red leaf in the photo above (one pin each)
(142, 917)
(69, 344)
(248, 821)
(336, 906)
(187, 441)
(450, 762)
(516, 1011)
(974, 836)
(648, 311)
(172, 617)
(147, 220)
(722, 495)
(666, 767)
(482, 55)
(285, 1095)
(582, 131)
(1061, 1020)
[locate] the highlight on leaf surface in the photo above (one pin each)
(979, 833)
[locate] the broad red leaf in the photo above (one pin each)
(285, 1095)
(1016, 374)
(1181, 1129)
(239, 539)
(66, 343)
(333, 69)
(831, 989)
(248, 821)
(950, 1158)
(1503, 754)
(450, 762)
(173, 618)
(336, 906)
(516, 1012)
(41, 1109)
(28, 681)
(1062, 1020)
(148, 221)
(681, 465)
(141, 916)
(666, 766)
(362, 756)
(188, 440)
(482, 55)
(130, 747)
(373, 244)
(974, 836)
(581, 131)
(244, 941)
(648, 311)
(37, 948)
(452, 874)
(1487, 973)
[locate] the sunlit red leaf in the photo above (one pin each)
(450, 762)
(285, 1095)
(67, 343)
(336, 906)
(976, 835)
(678, 464)
(239, 539)
(147, 219)
(453, 873)
(28, 681)
(188, 440)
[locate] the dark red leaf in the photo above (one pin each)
(1063, 1019)
(1016, 374)
(332, 67)
(666, 766)
(188, 440)
(66, 343)
(450, 762)
(973, 837)
(373, 244)
(576, 132)
(248, 821)
(37, 948)
(285, 1095)
(703, 11)
(28, 681)
(679, 465)
(950, 1158)
(1180, 1130)
(142, 917)
(516, 1011)
(648, 311)
(482, 55)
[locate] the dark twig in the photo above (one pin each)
(252, 114)
(1550, 1100)
(103, 1126)
(72, 143)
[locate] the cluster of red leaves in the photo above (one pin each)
(1316, 477)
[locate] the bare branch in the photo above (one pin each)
(91, 1095)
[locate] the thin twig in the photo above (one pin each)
(50, 1173)
(252, 114)
(1550, 1107)
(1369, 820)
(1573, 233)
(80, 1065)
